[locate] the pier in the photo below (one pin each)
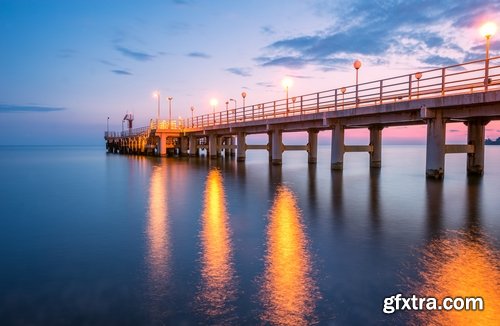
(468, 93)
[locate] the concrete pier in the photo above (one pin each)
(376, 146)
(212, 146)
(436, 149)
(162, 145)
(193, 142)
(241, 147)
(277, 146)
(475, 137)
(184, 146)
(312, 146)
(337, 152)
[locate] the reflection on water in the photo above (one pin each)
(288, 291)
(460, 264)
(158, 238)
(218, 289)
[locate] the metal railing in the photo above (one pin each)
(469, 77)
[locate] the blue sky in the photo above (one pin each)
(67, 65)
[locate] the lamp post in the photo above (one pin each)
(157, 95)
(357, 65)
(487, 31)
(169, 111)
(418, 75)
(243, 95)
(107, 127)
(192, 117)
(343, 89)
(286, 83)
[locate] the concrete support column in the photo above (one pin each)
(192, 146)
(270, 145)
(436, 141)
(184, 146)
(241, 147)
(337, 159)
(376, 144)
(232, 151)
(162, 149)
(475, 136)
(277, 146)
(212, 145)
(312, 151)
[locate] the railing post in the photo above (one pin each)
(244, 113)
(443, 80)
(317, 102)
(381, 91)
(301, 104)
(409, 87)
(486, 72)
(253, 112)
(220, 117)
(335, 99)
(274, 109)
(227, 116)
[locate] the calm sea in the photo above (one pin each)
(89, 238)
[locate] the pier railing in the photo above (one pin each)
(469, 77)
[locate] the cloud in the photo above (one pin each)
(437, 60)
(12, 108)
(66, 53)
(268, 30)
(136, 55)
(244, 72)
(375, 30)
(196, 54)
(454, 130)
(121, 72)
(265, 84)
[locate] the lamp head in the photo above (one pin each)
(357, 64)
(287, 82)
(488, 29)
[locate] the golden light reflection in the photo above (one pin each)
(218, 289)
(288, 291)
(158, 233)
(460, 264)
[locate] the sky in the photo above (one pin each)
(65, 66)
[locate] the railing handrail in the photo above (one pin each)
(470, 76)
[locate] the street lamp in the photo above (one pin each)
(487, 31)
(192, 117)
(157, 95)
(243, 95)
(227, 105)
(170, 98)
(418, 75)
(286, 83)
(357, 65)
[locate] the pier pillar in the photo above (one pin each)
(192, 146)
(184, 146)
(475, 136)
(376, 144)
(337, 153)
(312, 146)
(277, 146)
(270, 145)
(232, 151)
(212, 145)
(436, 141)
(241, 147)
(162, 150)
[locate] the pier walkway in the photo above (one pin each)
(467, 93)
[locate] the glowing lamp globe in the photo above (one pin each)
(488, 29)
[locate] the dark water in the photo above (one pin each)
(97, 239)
